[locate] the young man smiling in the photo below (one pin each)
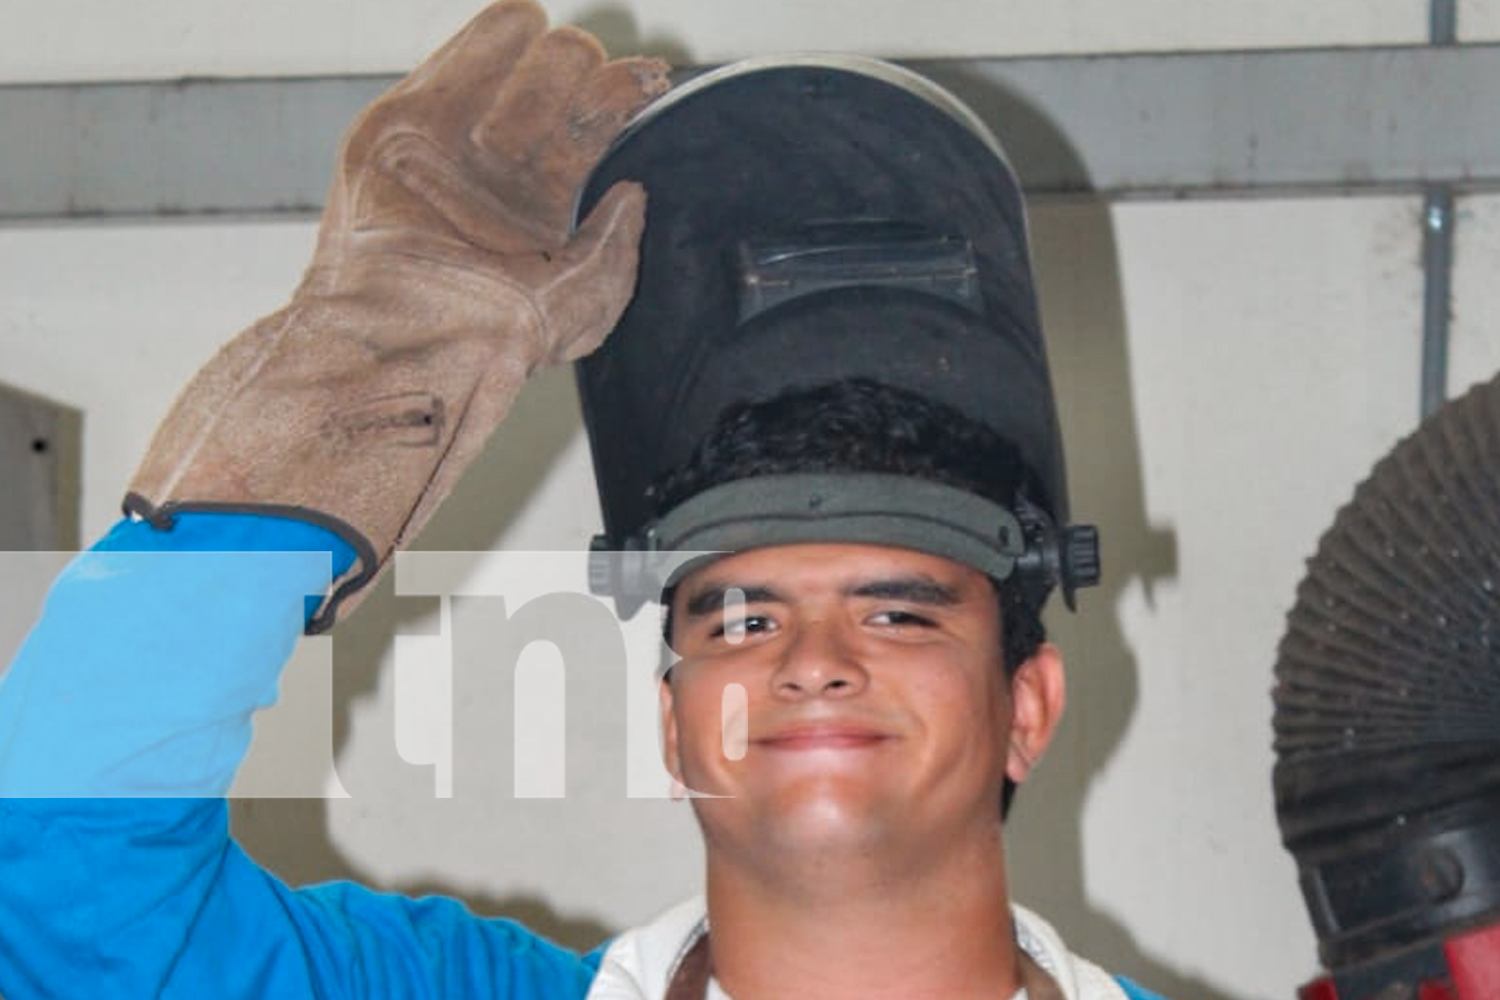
(864, 814)
(861, 448)
(886, 699)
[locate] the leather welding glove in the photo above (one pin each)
(446, 271)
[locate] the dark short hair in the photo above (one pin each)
(859, 425)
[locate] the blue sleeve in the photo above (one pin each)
(122, 721)
(153, 651)
(1134, 990)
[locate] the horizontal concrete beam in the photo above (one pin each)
(1177, 125)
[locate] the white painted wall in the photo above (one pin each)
(1228, 370)
(1476, 294)
(1258, 358)
(93, 39)
(1478, 20)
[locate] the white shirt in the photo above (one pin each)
(640, 962)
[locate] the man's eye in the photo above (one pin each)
(736, 629)
(900, 617)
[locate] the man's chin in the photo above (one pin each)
(815, 820)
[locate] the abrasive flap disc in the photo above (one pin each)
(1387, 694)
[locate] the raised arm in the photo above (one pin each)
(446, 271)
(310, 448)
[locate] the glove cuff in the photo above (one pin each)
(352, 582)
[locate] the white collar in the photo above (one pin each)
(639, 963)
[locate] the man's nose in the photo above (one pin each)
(819, 661)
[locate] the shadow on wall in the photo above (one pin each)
(1078, 273)
(41, 454)
(1074, 250)
(616, 27)
(291, 836)
(41, 448)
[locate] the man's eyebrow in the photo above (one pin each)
(711, 599)
(916, 589)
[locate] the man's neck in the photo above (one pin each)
(865, 929)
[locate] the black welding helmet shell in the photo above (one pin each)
(810, 220)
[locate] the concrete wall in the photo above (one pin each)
(94, 40)
(1228, 370)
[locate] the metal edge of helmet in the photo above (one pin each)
(813, 219)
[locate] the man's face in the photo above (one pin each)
(875, 708)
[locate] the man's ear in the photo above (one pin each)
(1038, 693)
(671, 753)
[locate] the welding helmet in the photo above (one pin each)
(811, 220)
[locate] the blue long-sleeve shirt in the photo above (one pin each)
(122, 722)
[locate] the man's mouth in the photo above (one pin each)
(822, 736)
